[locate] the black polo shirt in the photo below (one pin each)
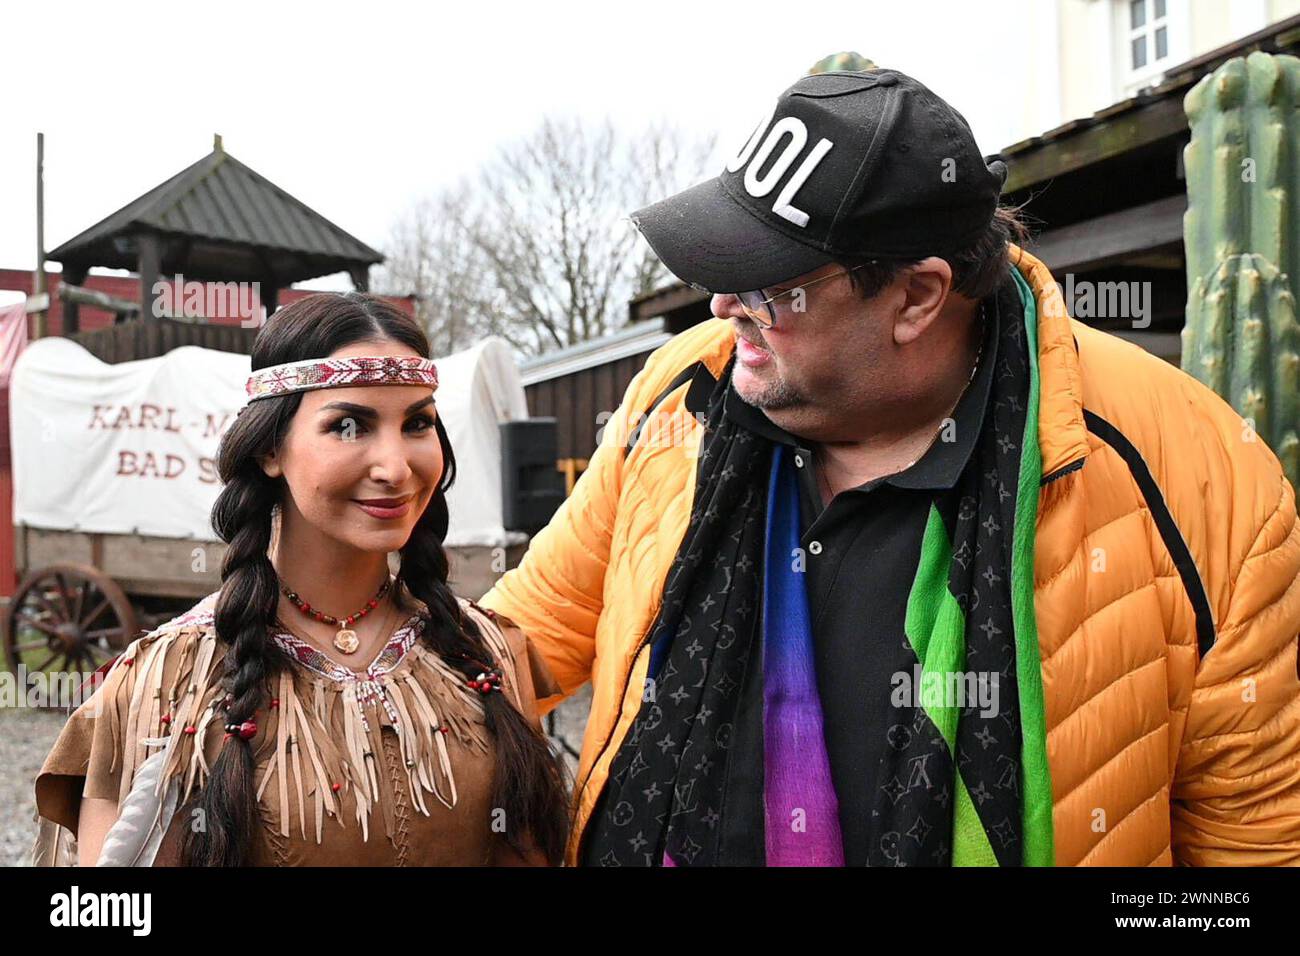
(862, 552)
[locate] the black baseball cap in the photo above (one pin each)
(847, 164)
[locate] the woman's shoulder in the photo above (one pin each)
(162, 679)
(193, 624)
(177, 654)
(199, 618)
(158, 649)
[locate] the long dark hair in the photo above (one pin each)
(528, 780)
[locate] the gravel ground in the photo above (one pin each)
(26, 735)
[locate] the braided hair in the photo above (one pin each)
(528, 780)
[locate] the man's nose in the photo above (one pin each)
(727, 307)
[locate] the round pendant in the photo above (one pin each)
(346, 641)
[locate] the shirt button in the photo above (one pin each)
(815, 547)
(798, 461)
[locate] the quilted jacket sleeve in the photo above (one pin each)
(557, 593)
(1236, 793)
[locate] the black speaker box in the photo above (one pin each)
(531, 487)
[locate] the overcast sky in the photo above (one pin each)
(358, 109)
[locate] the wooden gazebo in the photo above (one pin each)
(215, 221)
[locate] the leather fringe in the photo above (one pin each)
(317, 740)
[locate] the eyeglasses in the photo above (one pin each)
(760, 309)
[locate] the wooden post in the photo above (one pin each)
(270, 296)
(572, 469)
(72, 275)
(150, 266)
(41, 324)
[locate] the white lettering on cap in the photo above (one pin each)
(752, 156)
(798, 133)
(784, 206)
(746, 151)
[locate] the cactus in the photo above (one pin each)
(1243, 254)
(837, 62)
(1243, 341)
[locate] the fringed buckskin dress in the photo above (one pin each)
(391, 767)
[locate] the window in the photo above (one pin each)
(1148, 38)
(1148, 34)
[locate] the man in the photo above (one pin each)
(929, 574)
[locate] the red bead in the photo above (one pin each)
(247, 730)
(191, 729)
(166, 718)
(371, 603)
(275, 703)
(128, 662)
(443, 729)
(320, 616)
(336, 787)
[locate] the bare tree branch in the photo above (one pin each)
(536, 248)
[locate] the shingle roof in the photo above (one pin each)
(220, 204)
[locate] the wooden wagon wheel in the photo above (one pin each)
(67, 618)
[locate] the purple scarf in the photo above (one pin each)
(802, 811)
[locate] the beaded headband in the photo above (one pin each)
(340, 373)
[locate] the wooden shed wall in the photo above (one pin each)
(575, 400)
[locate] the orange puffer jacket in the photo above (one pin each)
(1166, 562)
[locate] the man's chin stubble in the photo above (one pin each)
(772, 396)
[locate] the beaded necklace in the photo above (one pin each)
(345, 639)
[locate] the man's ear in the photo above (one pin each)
(925, 290)
(271, 466)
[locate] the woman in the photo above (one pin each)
(317, 710)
